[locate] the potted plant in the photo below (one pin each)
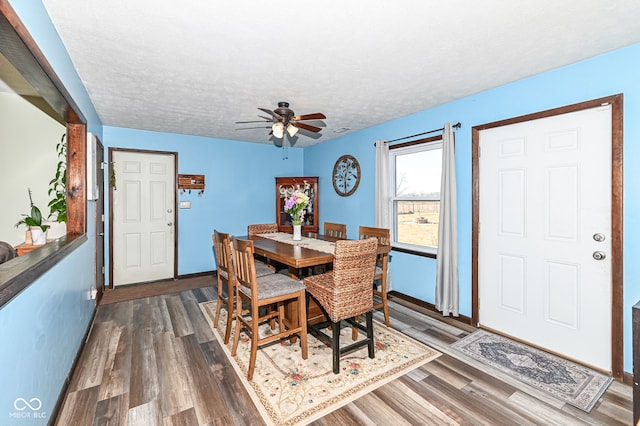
(34, 222)
(58, 189)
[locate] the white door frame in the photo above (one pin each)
(617, 356)
(175, 208)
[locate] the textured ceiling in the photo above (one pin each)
(196, 67)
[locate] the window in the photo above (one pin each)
(415, 172)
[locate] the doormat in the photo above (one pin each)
(570, 382)
(288, 390)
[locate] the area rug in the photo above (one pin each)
(570, 382)
(288, 390)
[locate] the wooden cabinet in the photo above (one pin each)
(286, 185)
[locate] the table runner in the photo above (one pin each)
(306, 242)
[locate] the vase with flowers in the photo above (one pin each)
(295, 205)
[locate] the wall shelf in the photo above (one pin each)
(189, 182)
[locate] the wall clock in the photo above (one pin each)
(346, 175)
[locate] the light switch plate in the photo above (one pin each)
(185, 204)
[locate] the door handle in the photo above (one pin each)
(169, 223)
(599, 255)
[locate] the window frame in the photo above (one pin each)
(24, 54)
(420, 145)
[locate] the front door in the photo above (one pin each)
(544, 247)
(143, 206)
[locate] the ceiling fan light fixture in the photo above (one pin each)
(278, 130)
(292, 130)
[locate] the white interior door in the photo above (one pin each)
(544, 247)
(143, 217)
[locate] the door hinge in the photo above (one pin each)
(102, 217)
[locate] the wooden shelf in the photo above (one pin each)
(187, 182)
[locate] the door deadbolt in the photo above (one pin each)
(598, 237)
(171, 223)
(598, 255)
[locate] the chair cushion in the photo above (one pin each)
(223, 274)
(263, 269)
(274, 285)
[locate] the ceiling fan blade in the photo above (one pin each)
(307, 127)
(314, 116)
(253, 127)
(271, 113)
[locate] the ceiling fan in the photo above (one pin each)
(283, 118)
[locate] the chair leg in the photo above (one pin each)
(369, 318)
(335, 346)
(302, 323)
(254, 343)
(385, 308)
(218, 309)
(236, 337)
(354, 330)
(227, 332)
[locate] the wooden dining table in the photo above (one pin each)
(300, 261)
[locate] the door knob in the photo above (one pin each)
(598, 255)
(169, 223)
(598, 237)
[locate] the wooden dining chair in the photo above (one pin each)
(265, 298)
(226, 279)
(382, 266)
(344, 293)
(337, 230)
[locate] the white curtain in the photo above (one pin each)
(447, 262)
(383, 194)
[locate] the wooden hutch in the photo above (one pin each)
(286, 185)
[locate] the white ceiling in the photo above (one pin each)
(196, 67)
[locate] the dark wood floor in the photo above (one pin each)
(154, 361)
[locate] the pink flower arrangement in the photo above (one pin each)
(296, 202)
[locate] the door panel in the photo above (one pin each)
(545, 190)
(143, 219)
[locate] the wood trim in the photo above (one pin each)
(416, 142)
(617, 137)
(212, 273)
(431, 308)
(175, 206)
(76, 178)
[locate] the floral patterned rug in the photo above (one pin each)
(572, 383)
(291, 391)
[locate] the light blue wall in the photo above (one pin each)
(608, 74)
(42, 328)
(239, 179)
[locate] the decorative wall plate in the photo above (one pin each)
(346, 175)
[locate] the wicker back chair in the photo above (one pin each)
(262, 228)
(382, 266)
(226, 278)
(337, 230)
(344, 293)
(262, 299)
